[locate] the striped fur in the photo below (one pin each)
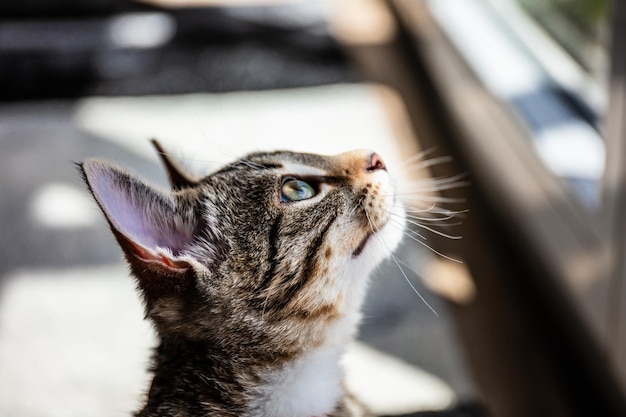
(254, 298)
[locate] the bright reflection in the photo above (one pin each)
(141, 30)
(59, 205)
(388, 385)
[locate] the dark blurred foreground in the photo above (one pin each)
(82, 48)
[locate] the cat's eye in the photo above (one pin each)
(296, 190)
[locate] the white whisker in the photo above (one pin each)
(431, 209)
(437, 184)
(430, 188)
(418, 221)
(409, 231)
(438, 210)
(427, 198)
(434, 250)
(416, 186)
(437, 232)
(393, 257)
(440, 180)
(438, 224)
(431, 219)
(415, 271)
(428, 163)
(382, 241)
(418, 156)
(356, 207)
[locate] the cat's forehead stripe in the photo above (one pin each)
(302, 169)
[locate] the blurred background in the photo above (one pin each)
(505, 115)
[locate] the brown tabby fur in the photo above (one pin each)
(241, 285)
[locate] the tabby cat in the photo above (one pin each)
(253, 277)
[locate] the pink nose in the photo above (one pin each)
(375, 163)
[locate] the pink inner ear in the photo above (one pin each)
(147, 217)
(151, 256)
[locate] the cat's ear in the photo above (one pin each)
(151, 226)
(178, 178)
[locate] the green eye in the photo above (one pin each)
(296, 190)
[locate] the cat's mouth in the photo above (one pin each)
(359, 249)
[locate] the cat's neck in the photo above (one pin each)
(312, 385)
(309, 386)
(189, 375)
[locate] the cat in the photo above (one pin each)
(252, 276)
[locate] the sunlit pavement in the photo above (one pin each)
(72, 339)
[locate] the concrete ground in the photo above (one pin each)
(72, 339)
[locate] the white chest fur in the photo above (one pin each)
(312, 385)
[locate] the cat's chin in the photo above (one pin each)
(359, 249)
(379, 245)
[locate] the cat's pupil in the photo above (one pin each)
(296, 190)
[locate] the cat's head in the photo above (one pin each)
(271, 238)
